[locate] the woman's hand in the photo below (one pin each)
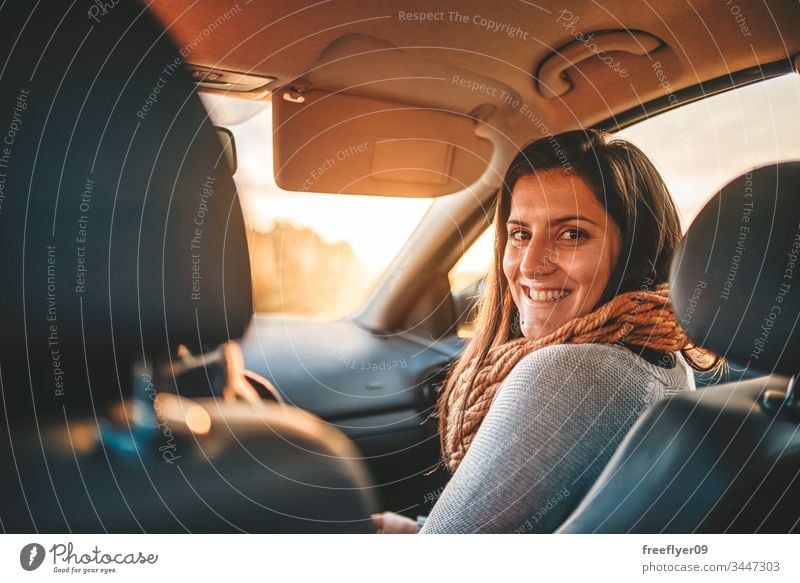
(391, 523)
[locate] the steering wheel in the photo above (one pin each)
(243, 384)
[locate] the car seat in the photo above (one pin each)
(124, 245)
(724, 458)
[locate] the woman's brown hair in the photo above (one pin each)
(635, 197)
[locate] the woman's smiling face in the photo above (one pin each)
(561, 249)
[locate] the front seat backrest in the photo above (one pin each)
(123, 231)
(725, 458)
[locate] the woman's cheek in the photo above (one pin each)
(510, 265)
(591, 270)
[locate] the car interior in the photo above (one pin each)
(143, 387)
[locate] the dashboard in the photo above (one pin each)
(380, 390)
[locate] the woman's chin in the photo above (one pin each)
(534, 332)
(536, 328)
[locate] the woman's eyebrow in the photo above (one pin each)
(558, 221)
(570, 218)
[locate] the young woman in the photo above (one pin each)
(574, 338)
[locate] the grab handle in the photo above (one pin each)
(552, 80)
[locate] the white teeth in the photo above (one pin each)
(550, 295)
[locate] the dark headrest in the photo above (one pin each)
(736, 276)
(122, 232)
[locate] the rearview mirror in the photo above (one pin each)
(229, 146)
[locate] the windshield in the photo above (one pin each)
(312, 254)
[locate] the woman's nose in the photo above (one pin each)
(539, 259)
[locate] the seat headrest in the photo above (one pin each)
(735, 278)
(120, 221)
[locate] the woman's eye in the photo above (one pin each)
(573, 234)
(516, 236)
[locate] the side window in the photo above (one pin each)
(701, 146)
(474, 264)
(466, 278)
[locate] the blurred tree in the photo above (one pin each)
(296, 272)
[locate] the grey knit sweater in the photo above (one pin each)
(552, 427)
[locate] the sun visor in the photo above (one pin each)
(337, 143)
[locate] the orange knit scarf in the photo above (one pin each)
(640, 318)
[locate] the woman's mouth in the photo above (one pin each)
(545, 295)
